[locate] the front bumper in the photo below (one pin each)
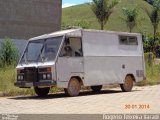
(35, 84)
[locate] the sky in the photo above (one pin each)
(68, 3)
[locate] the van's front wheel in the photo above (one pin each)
(74, 87)
(41, 92)
(128, 84)
(96, 88)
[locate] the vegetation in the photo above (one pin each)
(154, 16)
(77, 24)
(152, 70)
(131, 17)
(8, 53)
(73, 14)
(151, 43)
(7, 79)
(102, 10)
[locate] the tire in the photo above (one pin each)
(74, 87)
(96, 88)
(128, 85)
(41, 92)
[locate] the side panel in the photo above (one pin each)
(109, 70)
(66, 67)
(106, 61)
(107, 44)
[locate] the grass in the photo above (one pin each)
(152, 74)
(74, 14)
(152, 65)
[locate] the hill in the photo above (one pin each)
(82, 13)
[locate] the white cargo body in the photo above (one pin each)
(89, 58)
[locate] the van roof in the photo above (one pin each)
(54, 34)
(77, 32)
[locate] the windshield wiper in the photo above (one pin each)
(40, 54)
(25, 58)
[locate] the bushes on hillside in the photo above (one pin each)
(152, 44)
(77, 24)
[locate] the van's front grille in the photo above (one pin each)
(31, 74)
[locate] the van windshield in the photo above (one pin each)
(41, 50)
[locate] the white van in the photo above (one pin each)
(71, 58)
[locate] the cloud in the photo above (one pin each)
(67, 5)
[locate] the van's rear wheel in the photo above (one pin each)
(74, 87)
(41, 92)
(128, 85)
(96, 88)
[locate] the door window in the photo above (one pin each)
(72, 47)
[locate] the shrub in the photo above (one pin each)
(77, 24)
(152, 44)
(8, 53)
(83, 24)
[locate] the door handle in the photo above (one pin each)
(123, 66)
(81, 62)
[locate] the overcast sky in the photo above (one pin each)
(67, 3)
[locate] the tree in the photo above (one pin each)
(154, 17)
(156, 4)
(130, 17)
(150, 1)
(102, 10)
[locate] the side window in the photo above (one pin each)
(123, 40)
(72, 47)
(132, 40)
(128, 40)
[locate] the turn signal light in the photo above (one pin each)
(20, 71)
(49, 69)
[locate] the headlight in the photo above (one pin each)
(49, 69)
(49, 76)
(44, 77)
(20, 77)
(20, 71)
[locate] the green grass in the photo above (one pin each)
(153, 74)
(74, 14)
